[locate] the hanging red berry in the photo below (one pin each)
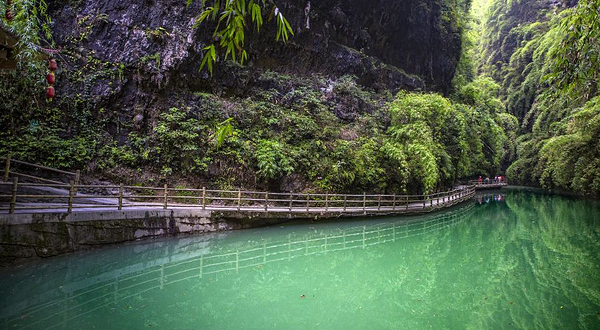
(50, 93)
(52, 66)
(51, 78)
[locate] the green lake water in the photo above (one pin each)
(506, 260)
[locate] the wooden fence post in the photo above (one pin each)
(424, 201)
(326, 201)
(77, 179)
(239, 199)
(203, 198)
(394, 203)
(307, 201)
(13, 199)
(266, 201)
(379, 203)
(345, 200)
(71, 193)
(166, 193)
(7, 168)
(407, 202)
(120, 197)
(364, 202)
(291, 201)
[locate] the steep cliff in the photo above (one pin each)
(409, 44)
(130, 95)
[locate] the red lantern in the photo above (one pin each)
(9, 15)
(51, 78)
(52, 66)
(50, 93)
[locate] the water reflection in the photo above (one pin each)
(92, 281)
(509, 260)
(482, 198)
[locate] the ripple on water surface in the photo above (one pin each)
(511, 260)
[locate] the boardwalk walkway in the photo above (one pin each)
(53, 196)
(47, 198)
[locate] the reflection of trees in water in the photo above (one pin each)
(508, 267)
(488, 266)
(547, 257)
(161, 268)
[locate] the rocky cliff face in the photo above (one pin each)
(132, 105)
(140, 53)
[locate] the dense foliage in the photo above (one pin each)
(548, 66)
(289, 137)
(530, 106)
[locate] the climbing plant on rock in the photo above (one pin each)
(230, 18)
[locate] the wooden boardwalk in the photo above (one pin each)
(488, 185)
(53, 196)
(34, 198)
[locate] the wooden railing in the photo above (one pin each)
(120, 197)
(502, 182)
(74, 176)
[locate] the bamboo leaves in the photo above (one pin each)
(210, 56)
(222, 131)
(283, 27)
(256, 14)
(230, 18)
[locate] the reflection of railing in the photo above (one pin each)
(130, 282)
(120, 197)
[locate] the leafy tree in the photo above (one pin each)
(423, 125)
(572, 160)
(576, 67)
(31, 24)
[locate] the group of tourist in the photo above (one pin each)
(496, 179)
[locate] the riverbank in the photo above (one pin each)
(49, 232)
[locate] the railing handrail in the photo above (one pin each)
(7, 172)
(489, 182)
(234, 199)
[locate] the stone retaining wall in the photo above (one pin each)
(28, 236)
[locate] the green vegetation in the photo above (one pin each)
(32, 24)
(524, 102)
(414, 142)
(230, 18)
(548, 66)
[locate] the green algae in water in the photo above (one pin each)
(515, 260)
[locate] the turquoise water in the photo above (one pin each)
(511, 260)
